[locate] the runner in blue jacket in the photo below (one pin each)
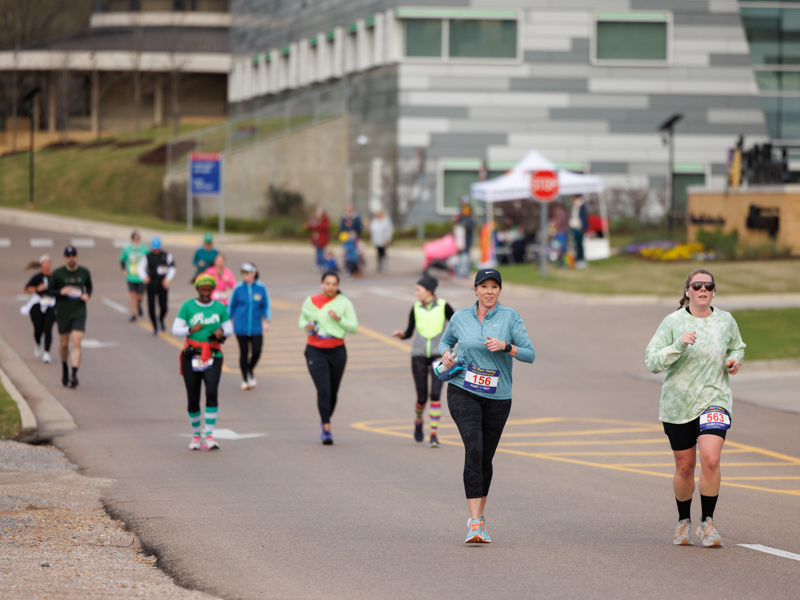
(248, 306)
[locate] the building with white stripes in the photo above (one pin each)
(438, 89)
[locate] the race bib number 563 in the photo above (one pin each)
(715, 417)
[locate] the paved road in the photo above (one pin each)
(581, 505)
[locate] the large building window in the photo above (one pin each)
(681, 180)
(634, 38)
(453, 34)
(478, 38)
(773, 35)
(424, 37)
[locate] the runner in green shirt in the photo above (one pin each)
(129, 260)
(205, 324)
(698, 346)
(71, 285)
(205, 255)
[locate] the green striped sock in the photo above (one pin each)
(211, 419)
(194, 421)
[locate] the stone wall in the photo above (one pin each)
(729, 211)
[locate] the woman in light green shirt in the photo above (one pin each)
(698, 346)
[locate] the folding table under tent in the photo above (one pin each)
(516, 185)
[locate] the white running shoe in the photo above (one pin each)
(683, 534)
(37, 350)
(209, 443)
(251, 381)
(46, 358)
(195, 443)
(708, 534)
(245, 386)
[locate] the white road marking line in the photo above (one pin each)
(83, 242)
(120, 243)
(41, 243)
(393, 295)
(769, 550)
(229, 434)
(117, 307)
(5, 243)
(91, 343)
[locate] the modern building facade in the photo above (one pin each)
(440, 91)
(141, 62)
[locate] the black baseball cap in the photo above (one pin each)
(70, 251)
(485, 274)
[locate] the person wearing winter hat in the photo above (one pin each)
(429, 317)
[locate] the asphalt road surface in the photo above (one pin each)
(581, 505)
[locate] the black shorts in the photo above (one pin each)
(683, 436)
(136, 287)
(69, 325)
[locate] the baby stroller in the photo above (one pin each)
(440, 255)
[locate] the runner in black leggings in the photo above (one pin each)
(41, 307)
(326, 318)
(479, 396)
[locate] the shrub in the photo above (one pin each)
(284, 203)
(723, 245)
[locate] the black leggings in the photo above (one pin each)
(422, 369)
(43, 325)
(245, 343)
(195, 379)
(152, 292)
(480, 422)
(326, 366)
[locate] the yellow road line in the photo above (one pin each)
(581, 432)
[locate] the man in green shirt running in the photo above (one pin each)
(71, 285)
(129, 260)
(205, 255)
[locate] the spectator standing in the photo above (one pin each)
(320, 226)
(578, 224)
(381, 231)
(464, 232)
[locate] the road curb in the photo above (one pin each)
(29, 423)
(49, 414)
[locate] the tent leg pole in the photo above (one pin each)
(543, 239)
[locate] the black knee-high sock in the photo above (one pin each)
(708, 504)
(684, 509)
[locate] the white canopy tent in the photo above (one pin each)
(516, 185)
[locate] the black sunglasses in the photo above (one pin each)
(698, 285)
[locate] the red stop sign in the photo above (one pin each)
(544, 185)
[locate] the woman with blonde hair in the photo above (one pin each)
(699, 346)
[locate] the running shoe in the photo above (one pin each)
(65, 379)
(418, 435)
(209, 443)
(327, 438)
(195, 443)
(132, 319)
(708, 534)
(251, 381)
(37, 350)
(434, 441)
(163, 327)
(46, 358)
(486, 537)
(155, 330)
(245, 386)
(683, 534)
(140, 311)
(475, 534)
(73, 383)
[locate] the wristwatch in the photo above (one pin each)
(508, 347)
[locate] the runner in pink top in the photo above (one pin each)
(225, 280)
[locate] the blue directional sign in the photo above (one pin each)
(205, 173)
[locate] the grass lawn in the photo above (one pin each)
(770, 334)
(10, 421)
(102, 183)
(632, 276)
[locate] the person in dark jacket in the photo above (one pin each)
(249, 308)
(157, 270)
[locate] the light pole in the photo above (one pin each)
(667, 129)
(29, 97)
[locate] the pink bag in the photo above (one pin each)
(440, 249)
